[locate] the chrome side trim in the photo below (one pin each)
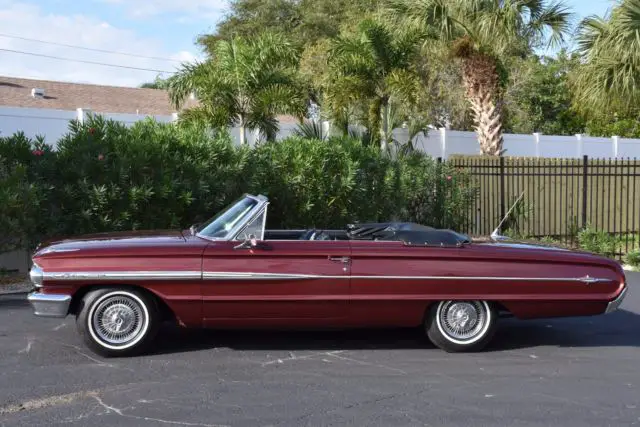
(124, 275)
(230, 275)
(613, 305)
(219, 275)
(216, 275)
(49, 305)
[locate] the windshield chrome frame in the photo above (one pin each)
(262, 212)
(259, 208)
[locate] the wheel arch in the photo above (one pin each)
(166, 313)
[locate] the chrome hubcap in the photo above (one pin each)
(462, 320)
(118, 320)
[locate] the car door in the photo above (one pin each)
(392, 283)
(275, 283)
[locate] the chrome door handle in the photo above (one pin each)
(345, 260)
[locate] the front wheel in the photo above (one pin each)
(459, 326)
(117, 322)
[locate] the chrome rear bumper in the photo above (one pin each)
(613, 305)
(49, 305)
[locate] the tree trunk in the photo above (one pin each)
(481, 82)
(243, 131)
(384, 124)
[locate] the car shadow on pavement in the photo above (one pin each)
(619, 329)
(172, 339)
(614, 330)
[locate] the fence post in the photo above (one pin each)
(502, 195)
(536, 141)
(439, 204)
(443, 142)
(585, 183)
(614, 140)
(82, 114)
(580, 144)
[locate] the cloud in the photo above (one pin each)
(203, 9)
(30, 21)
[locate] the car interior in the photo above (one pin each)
(409, 233)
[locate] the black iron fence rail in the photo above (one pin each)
(561, 197)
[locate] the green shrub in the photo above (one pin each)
(598, 242)
(105, 176)
(633, 258)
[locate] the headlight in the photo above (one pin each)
(36, 275)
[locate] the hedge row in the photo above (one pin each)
(104, 176)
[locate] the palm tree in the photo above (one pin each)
(246, 83)
(609, 79)
(374, 66)
(480, 34)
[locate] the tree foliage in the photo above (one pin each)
(305, 22)
(538, 96)
(245, 83)
(372, 68)
(609, 79)
(480, 34)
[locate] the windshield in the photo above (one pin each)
(220, 225)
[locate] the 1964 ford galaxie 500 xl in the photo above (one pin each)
(231, 273)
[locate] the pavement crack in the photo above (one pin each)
(27, 349)
(292, 356)
(57, 328)
(362, 362)
(93, 359)
(120, 412)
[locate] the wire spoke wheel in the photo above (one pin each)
(118, 320)
(463, 322)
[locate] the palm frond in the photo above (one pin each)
(310, 129)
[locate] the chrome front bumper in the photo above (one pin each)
(49, 305)
(613, 305)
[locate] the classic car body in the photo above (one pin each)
(232, 273)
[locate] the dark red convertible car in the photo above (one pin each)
(232, 273)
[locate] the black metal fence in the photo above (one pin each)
(561, 197)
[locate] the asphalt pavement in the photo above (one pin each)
(565, 372)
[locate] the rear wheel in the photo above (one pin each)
(458, 326)
(118, 322)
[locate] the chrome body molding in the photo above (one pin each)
(613, 305)
(123, 275)
(219, 275)
(49, 305)
(229, 275)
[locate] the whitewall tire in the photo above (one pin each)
(118, 321)
(458, 326)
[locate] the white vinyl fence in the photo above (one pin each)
(52, 124)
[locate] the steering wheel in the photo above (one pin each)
(315, 234)
(309, 235)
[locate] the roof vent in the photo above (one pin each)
(37, 92)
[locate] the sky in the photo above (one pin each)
(162, 29)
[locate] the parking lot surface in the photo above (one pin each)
(564, 372)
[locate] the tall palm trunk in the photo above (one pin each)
(243, 131)
(384, 123)
(481, 82)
